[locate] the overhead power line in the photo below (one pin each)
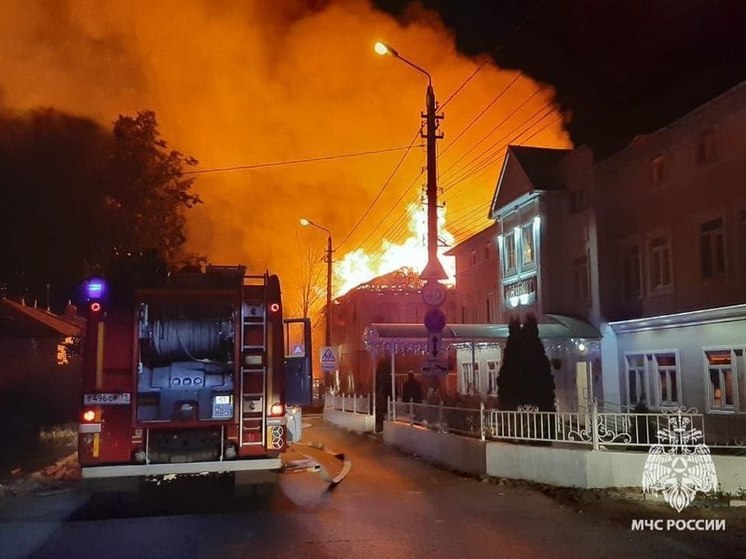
(380, 192)
(295, 161)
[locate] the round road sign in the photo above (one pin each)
(435, 320)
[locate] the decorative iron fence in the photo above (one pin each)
(591, 428)
(344, 402)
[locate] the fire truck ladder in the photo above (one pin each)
(252, 426)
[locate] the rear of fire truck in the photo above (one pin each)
(188, 377)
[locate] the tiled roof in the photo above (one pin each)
(18, 320)
(403, 279)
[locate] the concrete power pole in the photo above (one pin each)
(433, 270)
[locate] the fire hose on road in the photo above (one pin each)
(313, 464)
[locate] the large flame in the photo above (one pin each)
(238, 83)
(358, 266)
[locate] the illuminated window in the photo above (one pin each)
(467, 378)
(509, 252)
(658, 371)
(668, 379)
(492, 371)
(658, 170)
(527, 244)
(712, 248)
(636, 380)
(721, 374)
(660, 263)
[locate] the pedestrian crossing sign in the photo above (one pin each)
(328, 359)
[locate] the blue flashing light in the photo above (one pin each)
(95, 288)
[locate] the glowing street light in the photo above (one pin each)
(433, 270)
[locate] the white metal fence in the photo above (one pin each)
(590, 428)
(344, 402)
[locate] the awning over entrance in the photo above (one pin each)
(557, 326)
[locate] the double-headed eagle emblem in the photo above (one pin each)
(682, 466)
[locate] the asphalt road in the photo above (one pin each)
(389, 505)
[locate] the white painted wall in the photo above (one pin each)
(563, 467)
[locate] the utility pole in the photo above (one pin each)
(329, 290)
(433, 270)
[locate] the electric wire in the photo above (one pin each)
(440, 107)
(497, 156)
(505, 119)
(484, 110)
(490, 153)
(383, 188)
(403, 224)
(294, 161)
(454, 94)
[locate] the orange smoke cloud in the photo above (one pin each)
(244, 82)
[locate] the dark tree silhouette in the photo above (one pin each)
(509, 377)
(537, 379)
(147, 190)
(525, 377)
(77, 197)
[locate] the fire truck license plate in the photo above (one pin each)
(107, 399)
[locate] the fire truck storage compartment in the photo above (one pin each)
(186, 367)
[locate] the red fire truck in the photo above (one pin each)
(190, 376)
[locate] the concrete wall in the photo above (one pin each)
(463, 454)
(564, 467)
(362, 423)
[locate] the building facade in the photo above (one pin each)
(391, 298)
(647, 245)
(477, 278)
(672, 265)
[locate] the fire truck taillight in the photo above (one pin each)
(277, 409)
(89, 416)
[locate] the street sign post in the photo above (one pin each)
(434, 344)
(435, 367)
(435, 320)
(328, 359)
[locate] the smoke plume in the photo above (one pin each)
(236, 83)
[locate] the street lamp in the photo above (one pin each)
(433, 270)
(306, 222)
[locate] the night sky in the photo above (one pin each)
(621, 67)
